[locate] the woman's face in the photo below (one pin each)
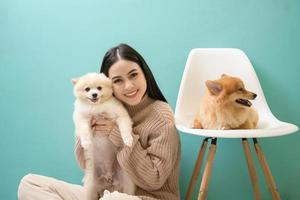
(129, 83)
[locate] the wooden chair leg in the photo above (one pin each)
(251, 168)
(266, 170)
(207, 171)
(196, 170)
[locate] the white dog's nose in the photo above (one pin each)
(94, 95)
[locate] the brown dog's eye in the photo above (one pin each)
(87, 89)
(99, 88)
(241, 89)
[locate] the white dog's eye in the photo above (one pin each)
(87, 89)
(99, 88)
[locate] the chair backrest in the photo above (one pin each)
(208, 64)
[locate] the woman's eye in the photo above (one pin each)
(99, 88)
(133, 75)
(117, 81)
(87, 89)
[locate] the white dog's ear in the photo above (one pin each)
(214, 87)
(74, 80)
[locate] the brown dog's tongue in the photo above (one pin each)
(244, 102)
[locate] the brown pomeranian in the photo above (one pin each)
(226, 105)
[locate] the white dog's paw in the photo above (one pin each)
(128, 141)
(86, 143)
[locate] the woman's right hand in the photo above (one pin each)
(102, 124)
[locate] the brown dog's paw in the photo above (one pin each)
(197, 124)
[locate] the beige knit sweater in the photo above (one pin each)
(153, 161)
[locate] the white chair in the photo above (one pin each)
(208, 64)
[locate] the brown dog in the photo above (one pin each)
(226, 105)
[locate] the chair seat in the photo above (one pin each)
(266, 128)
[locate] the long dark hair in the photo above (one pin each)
(124, 51)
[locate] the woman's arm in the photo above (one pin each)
(150, 167)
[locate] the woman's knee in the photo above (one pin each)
(24, 185)
(27, 178)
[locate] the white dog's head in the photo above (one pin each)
(92, 88)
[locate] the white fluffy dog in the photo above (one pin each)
(94, 95)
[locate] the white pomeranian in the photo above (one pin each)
(94, 95)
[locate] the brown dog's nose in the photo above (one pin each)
(254, 95)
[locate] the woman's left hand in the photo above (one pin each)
(102, 124)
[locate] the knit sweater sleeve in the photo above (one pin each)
(150, 167)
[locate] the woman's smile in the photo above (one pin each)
(131, 94)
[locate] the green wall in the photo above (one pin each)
(43, 44)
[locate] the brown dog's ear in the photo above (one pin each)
(214, 87)
(224, 75)
(74, 80)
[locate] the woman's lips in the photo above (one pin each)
(131, 94)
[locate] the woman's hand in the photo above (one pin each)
(102, 124)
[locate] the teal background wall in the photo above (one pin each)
(43, 44)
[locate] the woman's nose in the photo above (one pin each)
(128, 85)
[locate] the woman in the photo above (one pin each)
(154, 159)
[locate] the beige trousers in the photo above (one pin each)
(37, 187)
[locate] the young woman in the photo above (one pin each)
(154, 159)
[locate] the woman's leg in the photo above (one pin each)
(36, 187)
